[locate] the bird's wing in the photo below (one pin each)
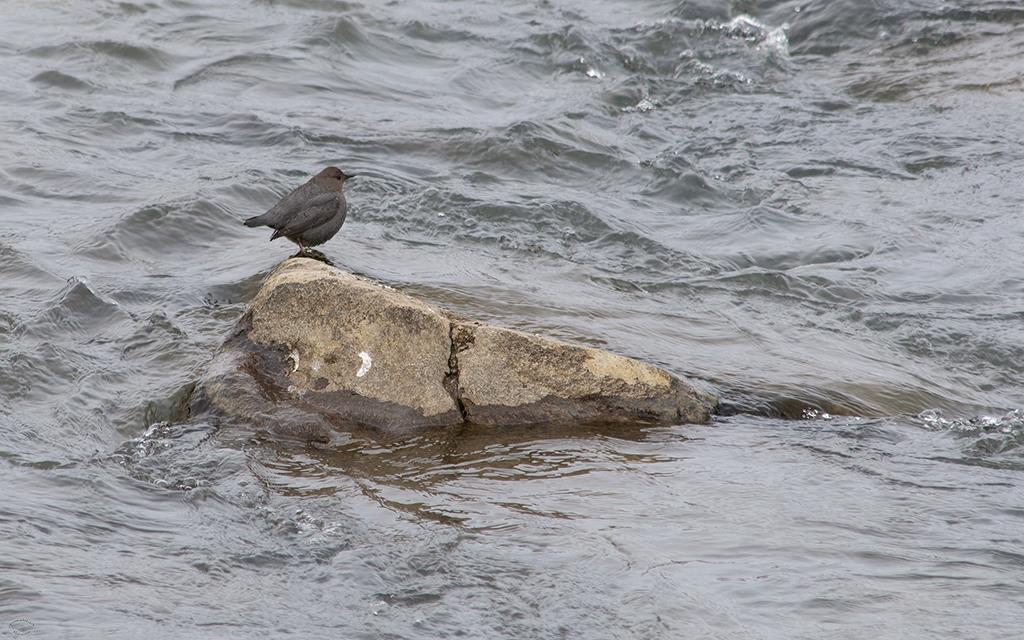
(314, 212)
(292, 204)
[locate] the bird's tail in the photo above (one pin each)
(255, 221)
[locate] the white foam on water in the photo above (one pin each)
(1010, 422)
(645, 105)
(753, 29)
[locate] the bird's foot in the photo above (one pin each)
(312, 254)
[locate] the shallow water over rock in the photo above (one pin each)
(813, 207)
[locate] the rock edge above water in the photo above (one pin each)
(321, 348)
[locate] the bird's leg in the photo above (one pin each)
(302, 248)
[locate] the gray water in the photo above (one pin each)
(813, 207)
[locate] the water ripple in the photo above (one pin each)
(812, 207)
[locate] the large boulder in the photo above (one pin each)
(319, 348)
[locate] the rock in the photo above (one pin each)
(510, 377)
(319, 348)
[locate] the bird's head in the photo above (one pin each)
(335, 174)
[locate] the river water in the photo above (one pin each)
(812, 206)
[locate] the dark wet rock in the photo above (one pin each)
(319, 348)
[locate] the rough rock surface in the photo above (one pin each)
(509, 376)
(322, 348)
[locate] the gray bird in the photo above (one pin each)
(311, 214)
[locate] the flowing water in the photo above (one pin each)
(812, 206)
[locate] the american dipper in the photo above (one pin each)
(311, 214)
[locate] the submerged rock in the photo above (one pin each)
(319, 348)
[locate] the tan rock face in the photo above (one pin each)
(354, 347)
(507, 375)
(322, 342)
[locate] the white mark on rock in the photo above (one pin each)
(367, 363)
(316, 365)
(294, 357)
